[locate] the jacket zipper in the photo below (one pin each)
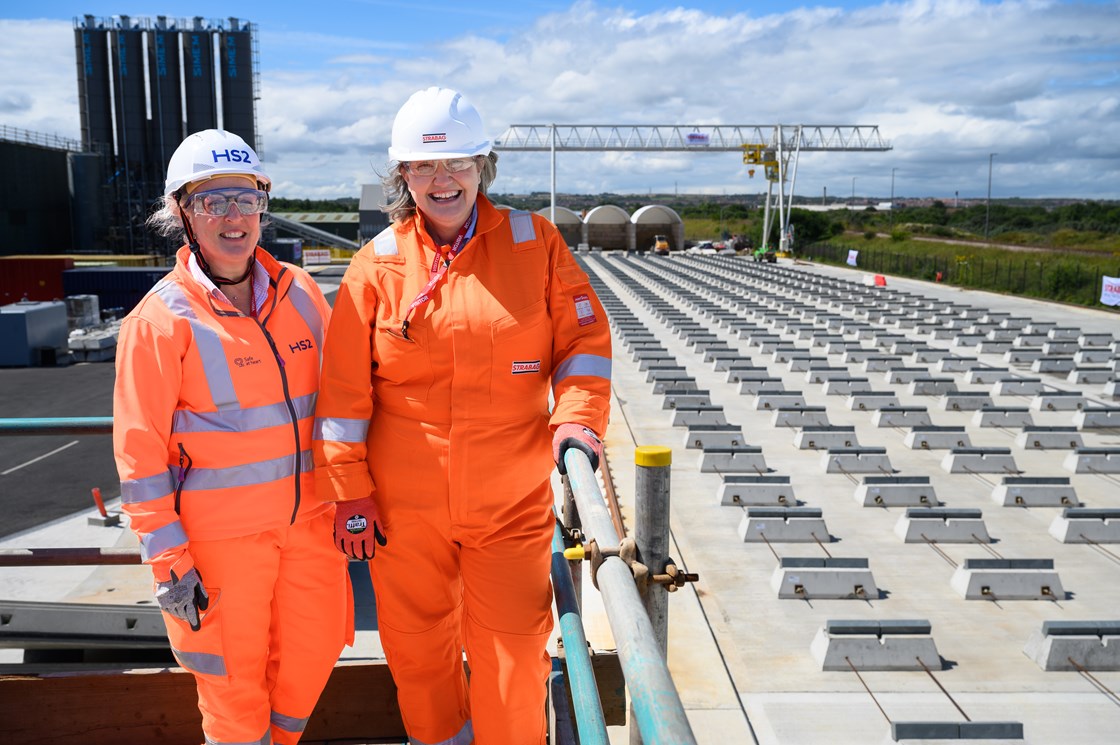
(290, 405)
(183, 471)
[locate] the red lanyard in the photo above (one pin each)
(439, 268)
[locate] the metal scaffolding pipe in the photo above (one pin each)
(66, 425)
(590, 722)
(656, 704)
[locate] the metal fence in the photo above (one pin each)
(1066, 279)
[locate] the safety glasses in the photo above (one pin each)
(216, 203)
(426, 168)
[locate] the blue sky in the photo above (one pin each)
(946, 81)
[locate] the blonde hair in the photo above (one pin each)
(400, 205)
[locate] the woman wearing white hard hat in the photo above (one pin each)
(449, 332)
(213, 410)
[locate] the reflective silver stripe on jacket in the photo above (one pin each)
(249, 474)
(243, 420)
(201, 662)
(286, 723)
(385, 242)
(305, 306)
(162, 539)
(521, 224)
(214, 363)
(146, 489)
(583, 364)
(337, 429)
(465, 736)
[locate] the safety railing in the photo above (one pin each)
(619, 572)
(632, 593)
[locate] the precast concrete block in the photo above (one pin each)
(982, 375)
(761, 385)
(896, 491)
(1090, 375)
(1093, 356)
(937, 438)
(1086, 525)
(875, 645)
(1007, 579)
(942, 525)
(1021, 356)
(824, 373)
(836, 578)
(1016, 386)
(706, 436)
(856, 460)
(965, 401)
(904, 375)
(1035, 491)
(901, 416)
(771, 400)
(845, 386)
(741, 489)
(824, 437)
(928, 355)
(738, 372)
(1093, 460)
(1103, 340)
(881, 363)
(783, 525)
(692, 416)
(929, 386)
(1049, 438)
(1092, 645)
(685, 398)
(736, 459)
(1049, 363)
(1000, 416)
(1058, 401)
(800, 416)
(1097, 417)
(979, 460)
(955, 364)
(680, 382)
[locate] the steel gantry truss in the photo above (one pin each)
(772, 146)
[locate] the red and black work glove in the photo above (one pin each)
(576, 436)
(357, 524)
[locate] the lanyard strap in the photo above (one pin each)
(439, 267)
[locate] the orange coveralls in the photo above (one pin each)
(212, 423)
(452, 425)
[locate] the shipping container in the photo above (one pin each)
(118, 288)
(32, 277)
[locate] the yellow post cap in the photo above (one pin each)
(575, 553)
(653, 455)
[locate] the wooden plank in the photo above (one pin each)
(160, 705)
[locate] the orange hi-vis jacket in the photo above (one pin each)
(514, 315)
(214, 410)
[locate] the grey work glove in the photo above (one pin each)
(183, 597)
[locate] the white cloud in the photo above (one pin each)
(947, 83)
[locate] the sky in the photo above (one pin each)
(948, 83)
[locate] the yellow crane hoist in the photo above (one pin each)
(760, 155)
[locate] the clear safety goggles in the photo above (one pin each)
(429, 167)
(216, 203)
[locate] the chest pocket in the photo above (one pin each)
(521, 355)
(402, 362)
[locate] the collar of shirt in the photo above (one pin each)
(260, 283)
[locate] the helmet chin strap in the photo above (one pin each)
(203, 264)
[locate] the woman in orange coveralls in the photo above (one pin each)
(213, 411)
(433, 427)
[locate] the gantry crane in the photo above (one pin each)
(772, 146)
